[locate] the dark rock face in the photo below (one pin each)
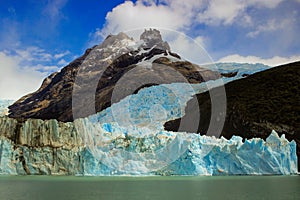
(100, 71)
(262, 102)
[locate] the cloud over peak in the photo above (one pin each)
(23, 70)
(129, 16)
(15, 81)
(231, 22)
(180, 15)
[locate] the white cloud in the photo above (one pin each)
(265, 3)
(22, 70)
(53, 8)
(62, 62)
(219, 11)
(129, 15)
(34, 54)
(189, 49)
(200, 41)
(179, 15)
(60, 55)
(271, 25)
(12, 11)
(230, 11)
(16, 81)
(274, 61)
(43, 68)
(9, 34)
(166, 14)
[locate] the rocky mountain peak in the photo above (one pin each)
(152, 37)
(112, 40)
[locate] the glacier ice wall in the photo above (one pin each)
(233, 157)
(22, 160)
(200, 155)
(121, 152)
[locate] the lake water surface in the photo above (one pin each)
(174, 188)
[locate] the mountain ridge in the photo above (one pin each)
(104, 65)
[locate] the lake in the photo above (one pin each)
(183, 188)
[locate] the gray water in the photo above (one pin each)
(183, 188)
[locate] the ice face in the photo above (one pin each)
(186, 154)
(167, 153)
(3, 106)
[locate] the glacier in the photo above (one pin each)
(128, 139)
(165, 153)
(116, 150)
(4, 103)
(242, 69)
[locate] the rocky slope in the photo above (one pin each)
(86, 85)
(262, 102)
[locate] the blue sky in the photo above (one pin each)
(39, 37)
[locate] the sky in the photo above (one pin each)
(38, 38)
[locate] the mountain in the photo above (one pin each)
(88, 83)
(265, 101)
